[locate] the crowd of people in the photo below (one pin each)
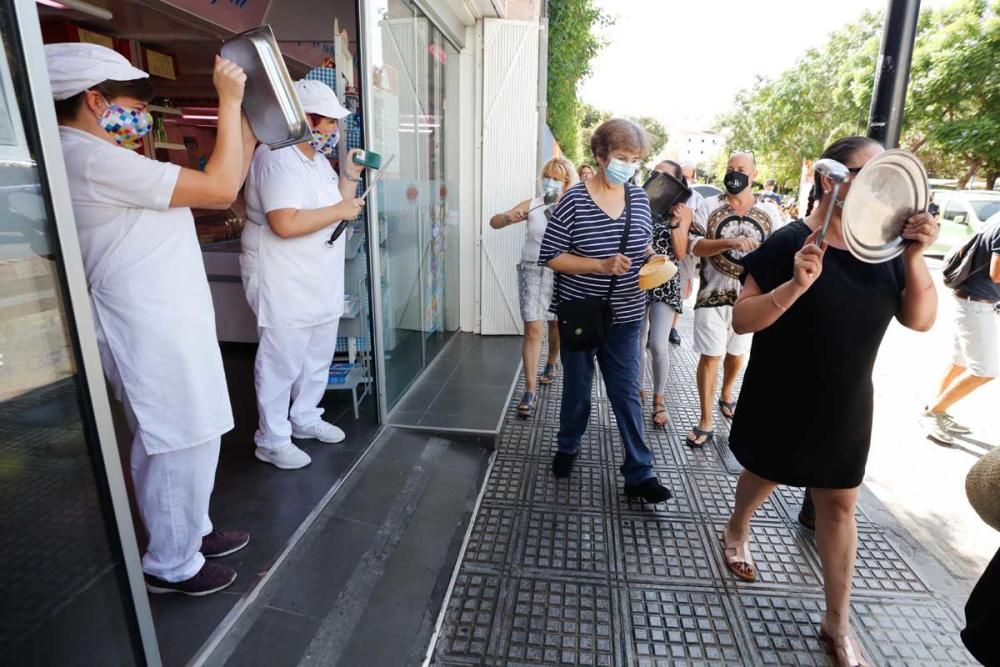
(807, 313)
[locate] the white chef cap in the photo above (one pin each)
(318, 98)
(76, 67)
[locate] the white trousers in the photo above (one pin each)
(292, 366)
(173, 490)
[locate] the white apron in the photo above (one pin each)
(150, 295)
(296, 282)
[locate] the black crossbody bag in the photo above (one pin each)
(585, 323)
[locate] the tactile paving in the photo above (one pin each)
(491, 538)
(661, 550)
(560, 623)
(911, 634)
(784, 630)
(562, 541)
(671, 627)
(584, 490)
(472, 609)
(571, 572)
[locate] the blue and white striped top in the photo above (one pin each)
(579, 226)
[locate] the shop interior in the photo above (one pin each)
(176, 41)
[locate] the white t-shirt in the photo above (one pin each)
(296, 282)
(719, 283)
(152, 305)
(534, 231)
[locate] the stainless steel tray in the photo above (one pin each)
(270, 102)
(890, 188)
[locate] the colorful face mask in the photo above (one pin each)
(126, 126)
(325, 142)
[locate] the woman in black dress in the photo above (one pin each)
(805, 411)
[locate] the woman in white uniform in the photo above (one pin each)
(152, 306)
(294, 277)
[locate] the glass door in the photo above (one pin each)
(69, 567)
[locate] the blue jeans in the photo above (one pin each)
(619, 358)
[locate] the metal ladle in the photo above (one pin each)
(837, 173)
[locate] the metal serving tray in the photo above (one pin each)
(270, 102)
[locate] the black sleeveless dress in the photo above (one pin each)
(804, 416)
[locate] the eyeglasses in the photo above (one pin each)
(744, 151)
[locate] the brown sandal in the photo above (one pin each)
(844, 648)
(738, 558)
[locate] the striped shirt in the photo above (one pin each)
(579, 226)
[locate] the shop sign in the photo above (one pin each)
(89, 37)
(160, 64)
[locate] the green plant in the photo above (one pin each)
(572, 46)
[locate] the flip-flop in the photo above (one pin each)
(660, 409)
(709, 436)
(727, 405)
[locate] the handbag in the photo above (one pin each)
(585, 323)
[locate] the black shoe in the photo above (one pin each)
(675, 337)
(211, 578)
(221, 543)
(649, 490)
(807, 515)
(562, 464)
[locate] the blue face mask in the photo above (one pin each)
(552, 185)
(619, 171)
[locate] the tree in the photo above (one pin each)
(655, 131)
(572, 46)
(590, 118)
(952, 115)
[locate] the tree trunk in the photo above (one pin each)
(973, 166)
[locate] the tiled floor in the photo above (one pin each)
(466, 389)
(572, 573)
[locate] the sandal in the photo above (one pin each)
(549, 374)
(844, 648)
(709, 436)
(738, 558)
(526, 406)
(660, 409)
(725, 406)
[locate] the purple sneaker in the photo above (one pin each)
(211, 578)
(221, 543)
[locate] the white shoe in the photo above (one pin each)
(320, 430)
(936, 426)
(288, 457)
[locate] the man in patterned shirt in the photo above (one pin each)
(737, 223)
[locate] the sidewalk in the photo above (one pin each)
(573, 573)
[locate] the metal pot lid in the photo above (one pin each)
(889, 189)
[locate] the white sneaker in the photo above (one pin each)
(320, 430)
(936, 426)
(288, 457)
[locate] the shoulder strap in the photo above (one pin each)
(623, 246)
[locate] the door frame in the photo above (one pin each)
(52, 171)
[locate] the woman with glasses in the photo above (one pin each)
(535, 282)
(597, 238)
(819, 315)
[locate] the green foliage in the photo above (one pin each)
(591, 117)
(655, 131)
(952, 116)
(573, 43)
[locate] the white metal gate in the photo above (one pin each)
(509, 151)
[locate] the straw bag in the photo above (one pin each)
(982, 485)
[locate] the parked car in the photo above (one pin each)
(963, 213)
(706, 190)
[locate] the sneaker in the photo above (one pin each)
(562, 464)
(936, 426)
(321, 430)
(649, 490)
(288, 457)
(675, 337)
(953, 426)
(221, 543)
(211, 578)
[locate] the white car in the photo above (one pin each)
(962, 214)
